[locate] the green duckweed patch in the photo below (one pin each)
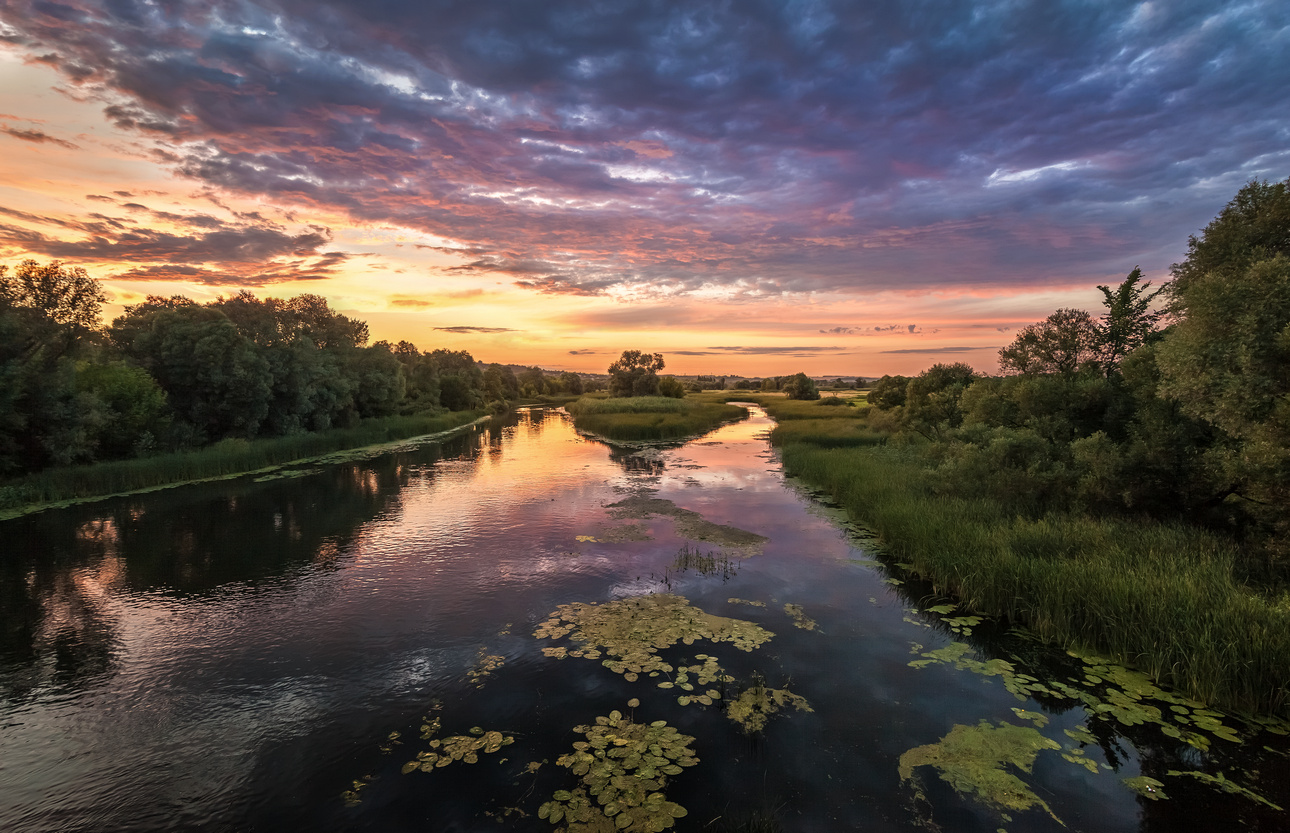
(1146, 786)
(629, 633)
(757, 704)
(623, 767)
(737, 601)
(975, 761)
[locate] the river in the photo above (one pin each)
(277, 652)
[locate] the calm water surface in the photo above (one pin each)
(236, 656)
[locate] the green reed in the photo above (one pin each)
(1164, 598)
(223, 459)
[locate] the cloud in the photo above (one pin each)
(461, 330)
(584, 353)
(753, 149)
(38, 137)
(416, 303)
(938, 350)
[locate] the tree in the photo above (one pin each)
(888, 392)
(571, 383)
(801, 386)
(1065, 342)
(932, 398)
(65, 295)
(215, 379)
(1128, 322)
(461, 382)
(1254, 226)
(635, 374)
(671, 387)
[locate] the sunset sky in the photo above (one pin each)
(746, 187)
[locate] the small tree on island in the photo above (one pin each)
(801, 386)
(635, 374)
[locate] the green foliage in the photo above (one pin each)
(1065, 342)
(64, 295)
(230, 458)
(635, 374)
(801, 387)
(888, 392)
(1251, 228)
(932, 398)
(650, 417)
(669, 386)
(1128, 323)
(134, 405)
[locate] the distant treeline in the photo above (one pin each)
(1174, 403)
(172, 374)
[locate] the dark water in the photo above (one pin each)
(235, 656)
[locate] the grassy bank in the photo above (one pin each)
(1164, 598)
(650, 417)
(224, 459)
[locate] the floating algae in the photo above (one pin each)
(736, 601)
(800, 619)
(974, 761)
(485, 664)
(689, 524)
(757, 704)
(624, 767)
(630, 632)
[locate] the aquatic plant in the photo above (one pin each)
(735, 601)
(485, 664)
(623, 767)
(800, 619)
(757, 704)
(630, 632)
(464, 748)
(974, 760)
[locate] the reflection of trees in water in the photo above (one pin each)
(61, 567)
(56, 630)
(1261, 762)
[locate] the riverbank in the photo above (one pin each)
(650, 418)
(1165, 598)
(229, 458)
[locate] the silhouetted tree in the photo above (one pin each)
(635, 374)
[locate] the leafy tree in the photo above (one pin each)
(134, 412)
(932, 398)
(1254, 226)
(671, 387)
(380, 380)
(461, 382)
(801, 386)
(501, 383)
(1128, 322)
(533, 382)
(215, 379)
(888, 392)
(635, 374)
(65, 295)
(1065, 342)
(571, 383)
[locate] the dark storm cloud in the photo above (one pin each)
(769, 148)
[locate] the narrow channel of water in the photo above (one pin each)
(263, 654)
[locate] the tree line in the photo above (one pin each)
(171, 374)
(1175, 402)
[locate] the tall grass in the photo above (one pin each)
(650, 418)
(1164, 598)
(225, 458)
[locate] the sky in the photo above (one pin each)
(752, 187)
